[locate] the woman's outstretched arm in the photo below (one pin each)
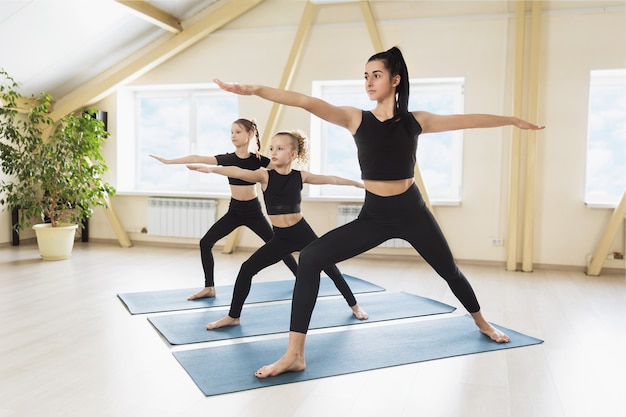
(318, 179)
(431, 122)
(344, 116)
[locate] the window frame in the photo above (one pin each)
(129, 140)
(611, 79)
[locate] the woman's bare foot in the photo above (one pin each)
(223, 322)
(359, 313)
(288, 363)
(206, 292)
(495, 334)
(488, 330)
(292, 360)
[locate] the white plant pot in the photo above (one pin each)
(55, 243)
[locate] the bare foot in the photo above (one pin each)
(488, 330)
(206, 292)
(223, 322)
(495, 334)
(359, 313)
(288, 363)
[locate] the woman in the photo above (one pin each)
(244, 208)
(282, 187)
(386, 139)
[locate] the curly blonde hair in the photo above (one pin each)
(299, 143)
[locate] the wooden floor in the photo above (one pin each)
(69, 347)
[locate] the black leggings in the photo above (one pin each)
(403, 216)
(240, 213)
(286, 240)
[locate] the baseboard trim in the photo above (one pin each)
(386, 256)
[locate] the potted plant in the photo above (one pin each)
(52, 168)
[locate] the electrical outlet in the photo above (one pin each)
(497, 242)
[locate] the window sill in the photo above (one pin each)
(601, 206)
(181, 194)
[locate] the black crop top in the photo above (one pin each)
(252, 162)
(283, 193)
(387, 150)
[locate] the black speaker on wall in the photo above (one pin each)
(102, 116)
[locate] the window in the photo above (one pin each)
(172, 121)
(606, 138)
(333, 151)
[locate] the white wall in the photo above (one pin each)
(255, 48)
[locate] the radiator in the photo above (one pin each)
(348, 212)
(180, 217)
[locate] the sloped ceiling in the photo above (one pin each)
(57, 45)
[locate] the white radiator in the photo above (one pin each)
(180, 217)
(348, 212)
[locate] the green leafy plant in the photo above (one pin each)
(52, 176)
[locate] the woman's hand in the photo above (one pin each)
(523, 124)
(241, 89)
(160, 159)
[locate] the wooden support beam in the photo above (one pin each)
(515, 155)
(419, 181)
(22, 104)
(372, 29)
(154, 15)
(531, 150)
(285, 83)
(599, 257)
(291, 65)
(119, 231)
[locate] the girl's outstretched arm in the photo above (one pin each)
(344, 116)
(189, 159)
(258, 175)
(318, 179)
(431, 122)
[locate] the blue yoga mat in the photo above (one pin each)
(224, 369)
(174, 300)
(259, 320)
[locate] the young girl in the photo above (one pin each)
(386, 140)
(244, 208)
(282, 188)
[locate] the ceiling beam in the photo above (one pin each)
(372, 29)
(290, 68)
(154, 15)
(152, 56)
(22, 104)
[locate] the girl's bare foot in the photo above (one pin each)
(288, 363)
(206, 292)
(223, 322)
(359, 313)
